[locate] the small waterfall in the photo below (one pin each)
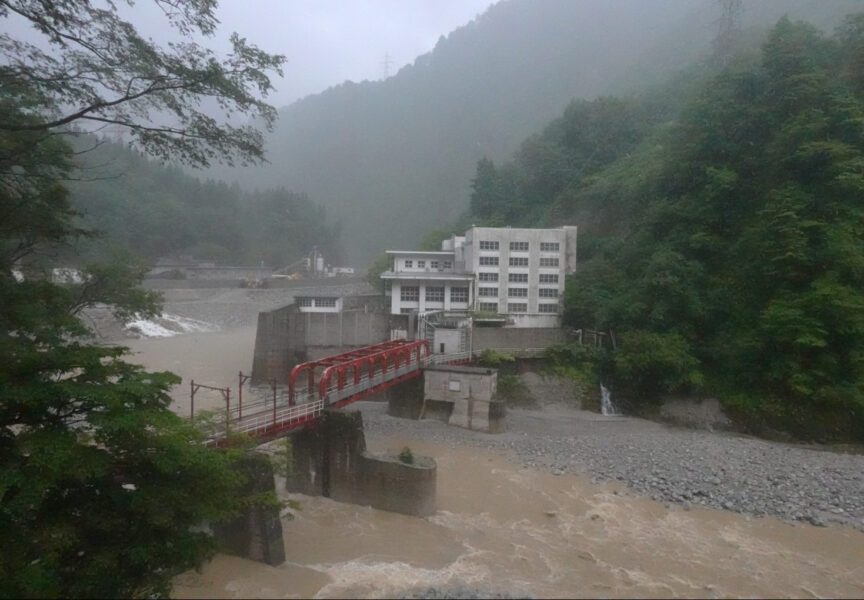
(607, 407)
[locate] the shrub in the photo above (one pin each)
(406, 456)
(649, 363)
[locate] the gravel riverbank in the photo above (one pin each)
(679, 466)
(683, 467)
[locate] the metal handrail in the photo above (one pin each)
(260, 415)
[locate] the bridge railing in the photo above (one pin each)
(334, 394)
(263, 415)
(287, 416)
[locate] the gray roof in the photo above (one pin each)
(432, 275)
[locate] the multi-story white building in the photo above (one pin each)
(512, 276)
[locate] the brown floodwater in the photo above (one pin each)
(503, 528)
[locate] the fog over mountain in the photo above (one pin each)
(392, 159)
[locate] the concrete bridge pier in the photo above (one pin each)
(256, 535)
(331, 460)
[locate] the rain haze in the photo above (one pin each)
(514, 299)
(331, 41)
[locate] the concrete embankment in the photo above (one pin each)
(331, 460)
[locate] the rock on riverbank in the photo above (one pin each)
(669, 464)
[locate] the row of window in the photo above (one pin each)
(322, 302)
(518, 261)
(492, 292)
(519, 277)
(411, 293)
(521, 246)
(516, 307)
(433, 264)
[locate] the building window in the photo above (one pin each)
(487, 291)
(548, 278)
(434, 294)
(325, 302)
(549, 262)
(489, 260)
(304, 301)
(518, 277)
(548, 293)
(459, 294)
(517, 292)
(520, 261)
(409, 293)
(406, 311)
(421, 264)
(548, 308)
(518, 246)
(549, 247)
(433, 264)
(488, 245)
(409, 264)
(488, 276)
(488, 307)
(517, 307)
(448, 264)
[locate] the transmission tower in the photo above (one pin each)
(728, 26)
(385, 65)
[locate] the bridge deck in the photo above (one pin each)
(274, 417)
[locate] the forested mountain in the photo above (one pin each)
(721, 223)
(394, 157)
(139, 204)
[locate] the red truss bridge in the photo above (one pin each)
(334, 381)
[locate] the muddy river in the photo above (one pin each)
(504, 529)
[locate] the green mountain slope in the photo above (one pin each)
(720, 220)
(394, 158)
(140, 205)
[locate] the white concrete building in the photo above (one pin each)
(514, 277)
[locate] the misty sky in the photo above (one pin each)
(325, 42)
(329, 41)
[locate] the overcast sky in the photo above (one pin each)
(329, 41)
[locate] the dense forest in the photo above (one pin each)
(380, 154)
(721, 224)
(138, 204)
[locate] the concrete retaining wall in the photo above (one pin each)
(437, 410)
(405, 400)
(332, 461)
(256, 535)
(451, 383)
(389, 484)
(286, 337)
(479, 415)
(516, 340)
